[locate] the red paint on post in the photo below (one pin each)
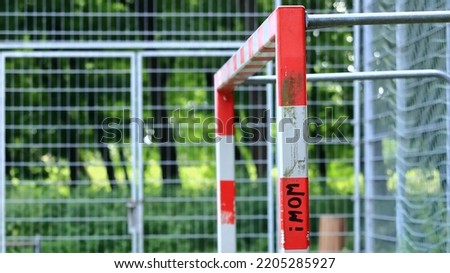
(250, 47)
(291, 56)
(294, 213)
(224, 104)
(227, 203)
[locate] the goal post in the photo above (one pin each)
(280, 36)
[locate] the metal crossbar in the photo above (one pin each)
(35, 244)
(112, 45)
(353, 76)
(316, 21)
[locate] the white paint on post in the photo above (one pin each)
(225, 157)
(291, 142)
(225, 177)
(227, 241)
(291, 154)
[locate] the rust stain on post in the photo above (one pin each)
(291, 89)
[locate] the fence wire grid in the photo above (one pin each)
(78, 176)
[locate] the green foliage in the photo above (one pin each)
(98, 221)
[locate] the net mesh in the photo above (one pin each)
(409, 136)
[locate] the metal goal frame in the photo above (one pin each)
(280, 36)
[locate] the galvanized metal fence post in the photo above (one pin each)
(2, 155)
(140, 167)
(400, 127)
(447, 102)
(368, 132)
(134, 163)
(271, 230)
(137, 135)
(356, 134)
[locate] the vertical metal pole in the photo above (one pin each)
(270, 192)
(447, 163)
(139, 158)
(368, 130)
(2, 155)
(357, 134)
(226, 188)
(136, 124)
(291, 121)
(37, 244)
(270, 152)
(134, 157)
(400, 119)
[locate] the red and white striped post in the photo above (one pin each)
(226, 192)
(282, 35)
(291, 124)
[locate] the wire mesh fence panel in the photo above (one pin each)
(330, 113)
(62, 179)
(331, 161)
(408, 167)
(179, 204)
(179, 168)
(138, 20)
(66, 182)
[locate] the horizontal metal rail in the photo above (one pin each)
(315, 21)
(354, 76)
(35, 244)
(119, 45)
(67, 54)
